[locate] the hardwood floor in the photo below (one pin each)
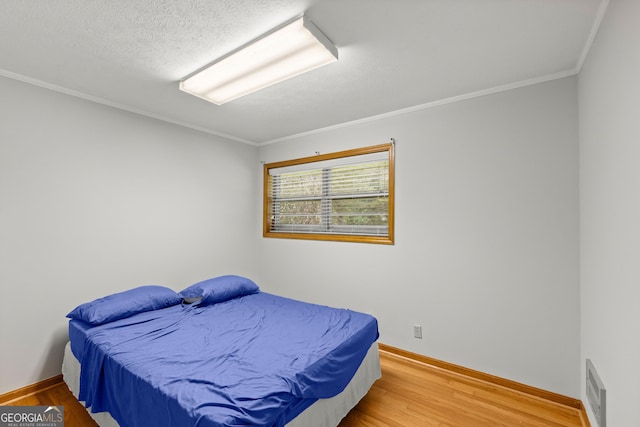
(55, 395)
(410, 393)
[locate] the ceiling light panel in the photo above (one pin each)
(293, 49)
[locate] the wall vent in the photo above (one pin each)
(596, 394)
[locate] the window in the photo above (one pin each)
(345, 196)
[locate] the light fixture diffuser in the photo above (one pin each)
(293, 49)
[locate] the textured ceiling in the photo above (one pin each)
(394, 54)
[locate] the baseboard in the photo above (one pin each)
(478, 375)
(25, 391)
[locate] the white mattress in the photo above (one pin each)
(323, 413)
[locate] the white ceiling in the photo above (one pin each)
(394, 54)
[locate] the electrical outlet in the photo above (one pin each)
(417, 331)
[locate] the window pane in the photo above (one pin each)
(361, 211)
(299, 184)
(299, 212)
(360, 179)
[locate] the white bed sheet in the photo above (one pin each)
(323, 413)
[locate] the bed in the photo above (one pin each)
(220, 353)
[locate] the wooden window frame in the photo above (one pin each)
(268, 202)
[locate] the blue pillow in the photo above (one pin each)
(219, 289)
(125, 304)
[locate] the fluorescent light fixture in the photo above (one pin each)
(290, 50)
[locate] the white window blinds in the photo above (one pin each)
(347, 194)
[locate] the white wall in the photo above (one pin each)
(486, 253)
(609, 97)
(95, 200)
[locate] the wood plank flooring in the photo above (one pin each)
(58, 394)
(410, 393)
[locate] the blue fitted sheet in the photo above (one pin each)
(256, 360)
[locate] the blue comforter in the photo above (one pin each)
(257, 360)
